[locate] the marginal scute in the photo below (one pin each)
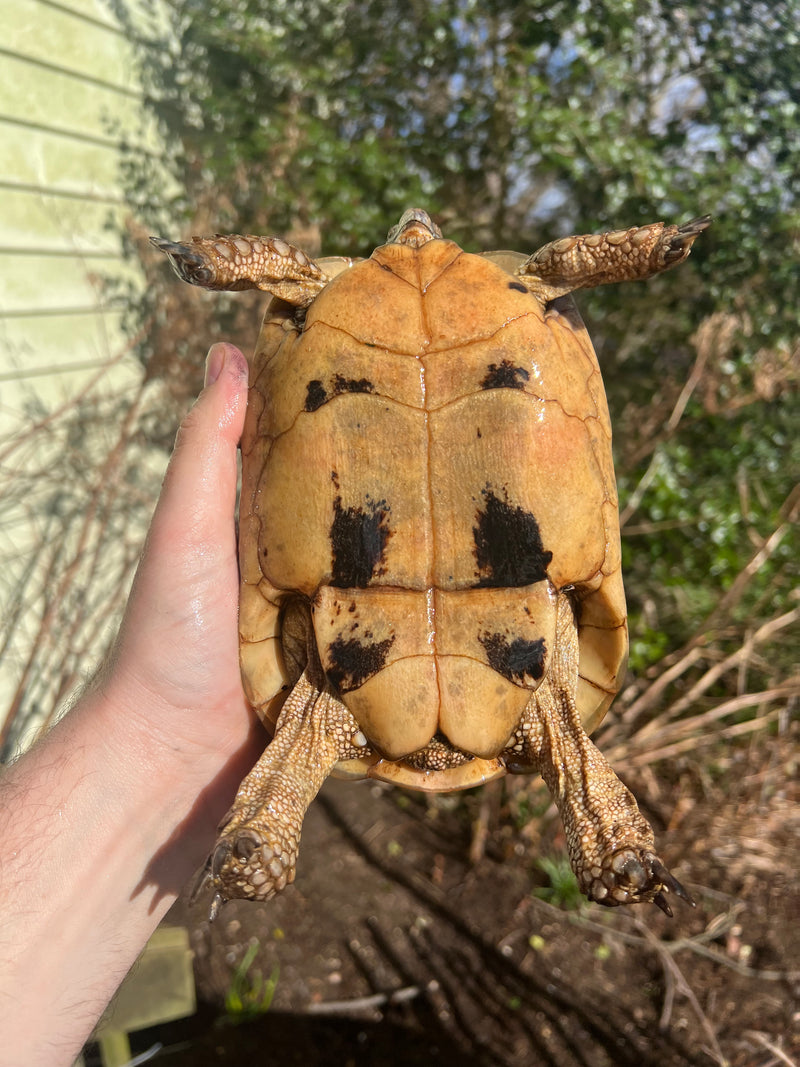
(263, 672)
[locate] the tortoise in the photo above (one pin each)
(431, 592)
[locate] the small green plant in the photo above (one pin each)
(250, 995)
(529, 804)
(563, 891)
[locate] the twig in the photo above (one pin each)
(734, 965)
(690, 733)
(761, 635)
(676, 663)
(665, 678)
(85, 391)
(674, 975)
(756, 562)
(360, 1004)
(670, 427)
(635, 497)
(768, 1045)
(489, 802)
(685, 394)
(693, 944)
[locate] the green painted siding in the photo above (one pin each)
(74, 503)
(67, 83)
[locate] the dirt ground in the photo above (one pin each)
(394, 948)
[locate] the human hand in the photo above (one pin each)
(106, 817)
(174, 669)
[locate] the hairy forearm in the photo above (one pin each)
(101, 827)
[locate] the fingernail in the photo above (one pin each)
(215, 361)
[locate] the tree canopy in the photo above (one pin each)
(512, 124)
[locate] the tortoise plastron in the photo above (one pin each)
(431, 591)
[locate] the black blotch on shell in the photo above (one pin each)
(352, 662)
(519, 660)
(352, 385)
(315, 395)
(505, 375)
(508, 545)
(358, 542)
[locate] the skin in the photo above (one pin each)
(105, 819)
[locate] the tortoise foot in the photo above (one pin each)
(259, 839)
(248, 863)
(632, 876)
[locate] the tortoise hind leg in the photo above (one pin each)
(611, 844)
(256, 851)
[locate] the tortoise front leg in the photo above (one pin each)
(236, 262)
(256, 851)
(611, 844)
(589, 260)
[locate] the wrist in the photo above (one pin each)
(102, 825)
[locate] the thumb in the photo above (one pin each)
(174, 669)
(200, 483)
(185, 593)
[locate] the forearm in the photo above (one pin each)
(98, 840)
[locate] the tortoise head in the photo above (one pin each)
(415, 229)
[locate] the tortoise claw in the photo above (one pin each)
(216, 903)
(202, 880)
(240, 849)
(675, 245)
(172, 248)
(670, 884)
(661, 901)
(188, 255)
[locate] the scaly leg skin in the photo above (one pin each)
(235, 262)
(256, 851)
(611, 844)
(589, 260)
